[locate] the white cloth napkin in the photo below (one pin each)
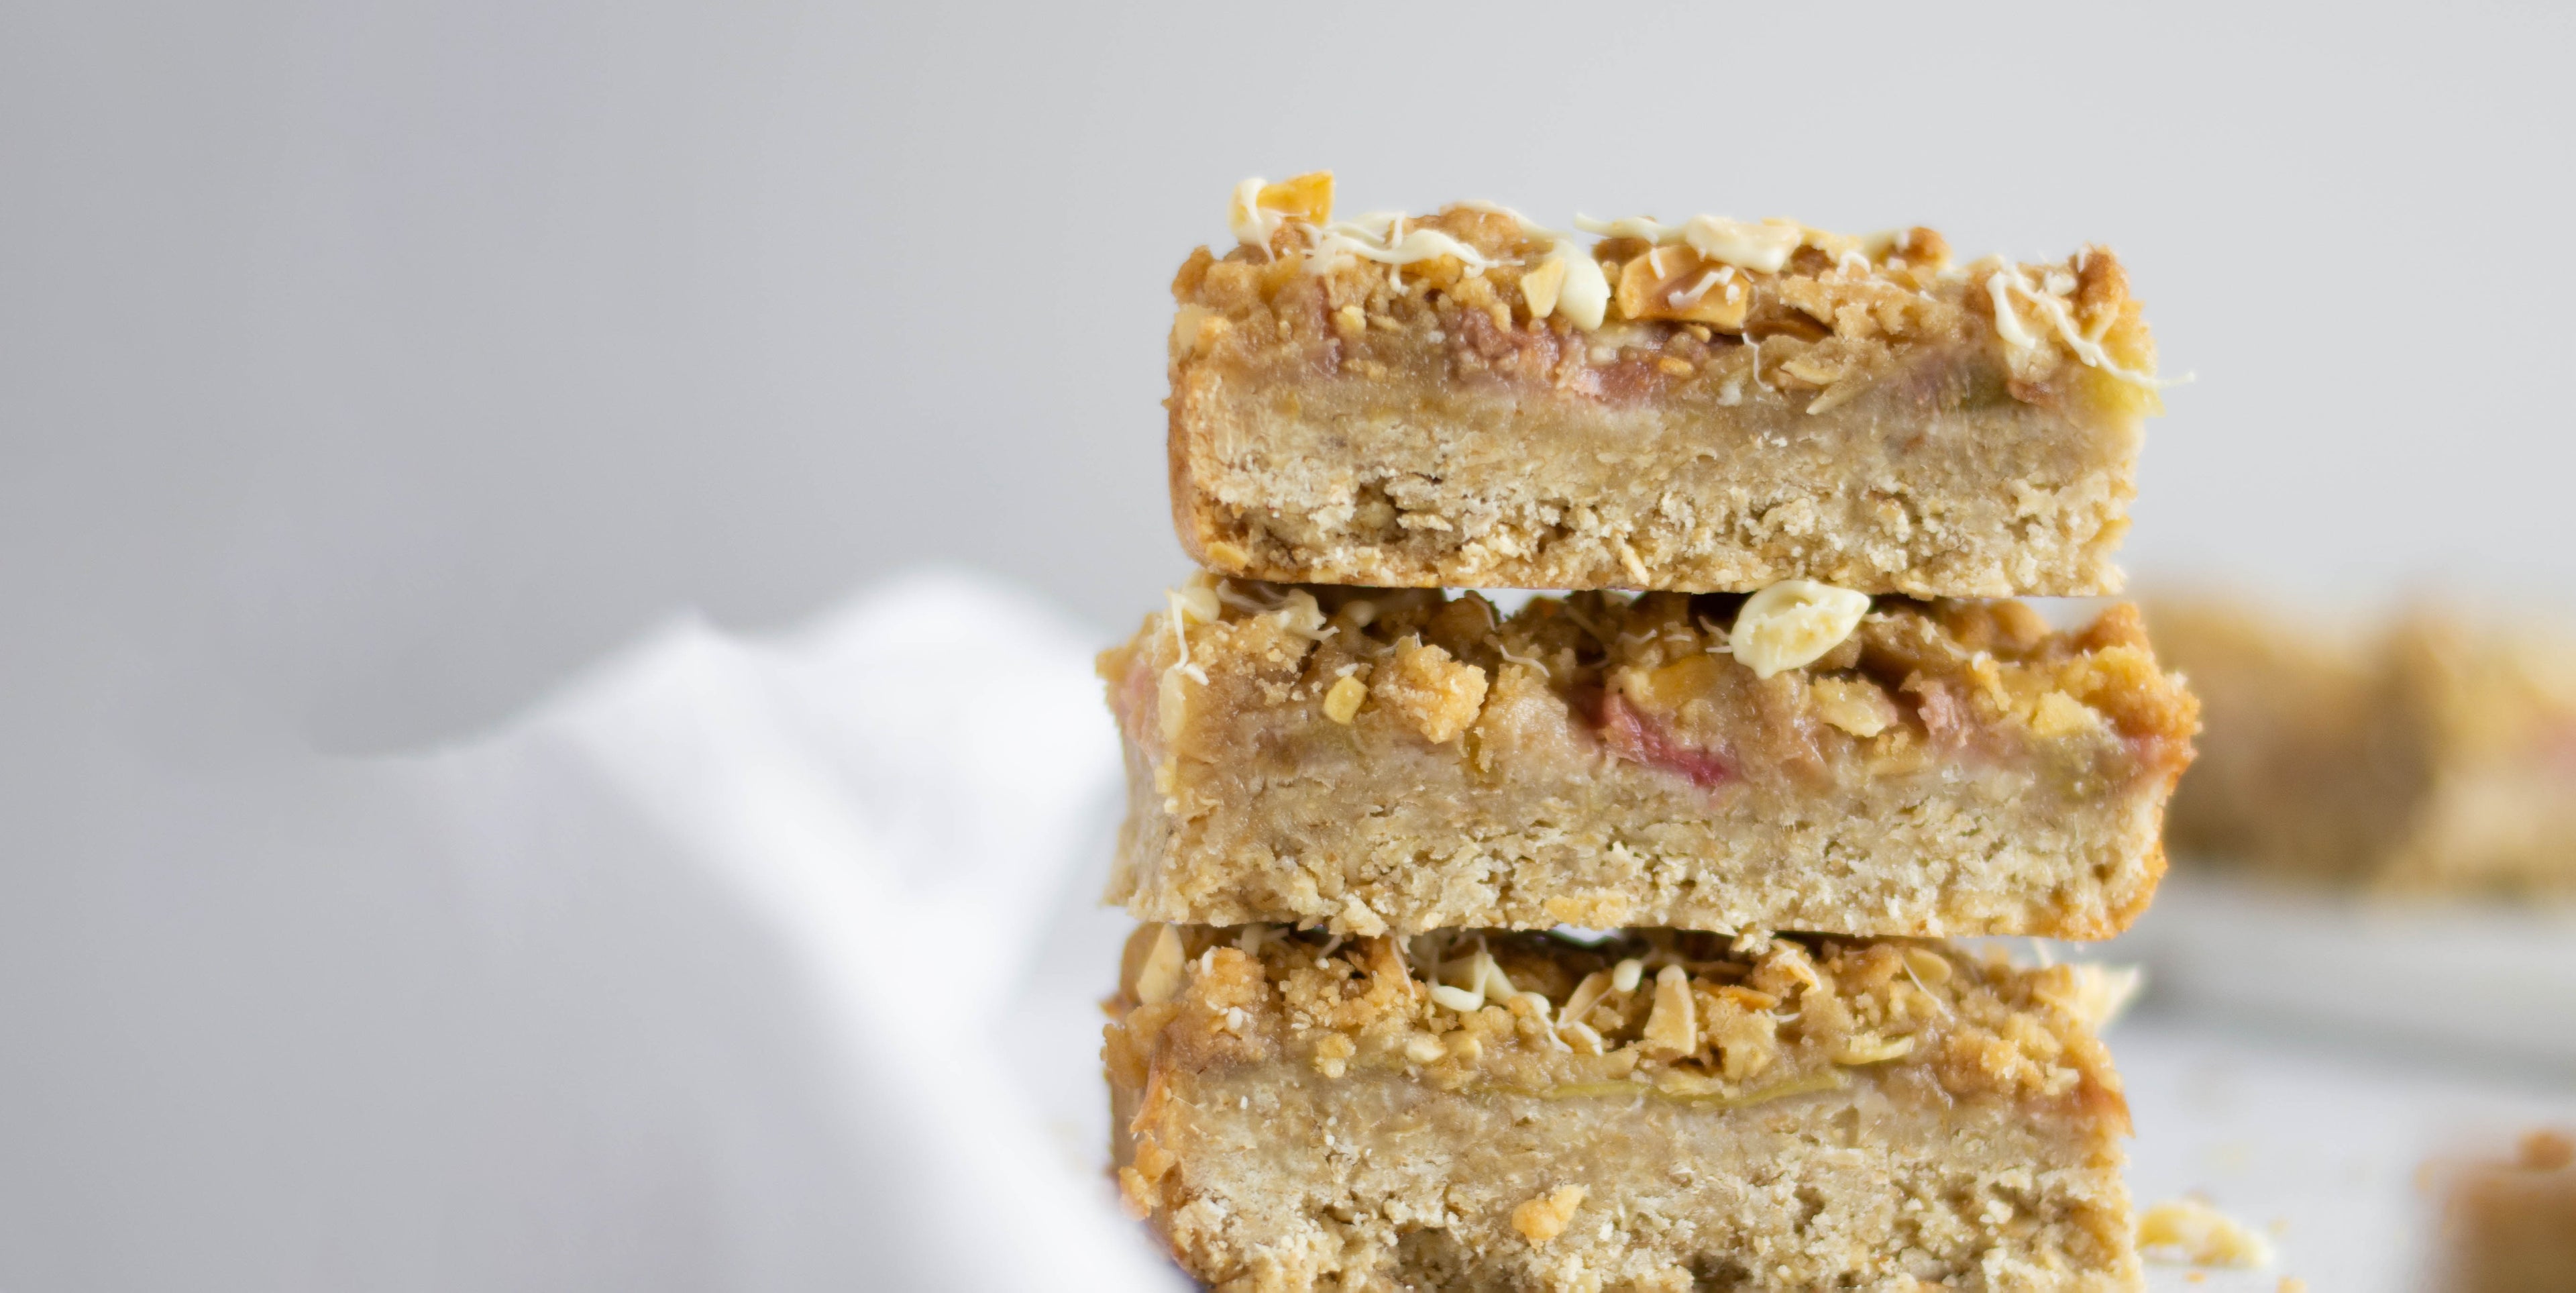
(771, 964)
(804, 881)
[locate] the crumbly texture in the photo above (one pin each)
(1374, 760)
(2510, 1227)
(2191, 1232)
(1859, 418)
(2434, 754)
(1661, 1111)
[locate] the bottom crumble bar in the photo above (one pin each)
(1517, 1111)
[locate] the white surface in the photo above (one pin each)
(2317, 1141)
(2485, 979)
(774, 965)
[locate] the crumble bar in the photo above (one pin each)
(1375, 760)
(1662, 1111)
(1468, 400)
(2435, 753)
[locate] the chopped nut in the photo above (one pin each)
(1422, 1048)
(1585, 996)
(1672, 1029)
(1868, 1048)
(1765, 246)
(1815, 365)
(1196, 602)
(1675, 367)
(1584, 297)
(1624, 975)
(1543, 1218)
(1458, 999)
(1915, 246)
(1678, 283)
(1159, 979)
(1792, 623)
(1929, 966)
(1539, 286)
(1843, 391)
(1258, 208)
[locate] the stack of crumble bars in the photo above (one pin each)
(1600, 943)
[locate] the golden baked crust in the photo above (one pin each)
(1401, 759)
(1294, 1110)
(1862, 412)
(2433, 753)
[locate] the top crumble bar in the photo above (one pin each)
(1470, 400)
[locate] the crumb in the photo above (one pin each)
(2546, 1150)
(2192, 1232)
(1543, 1218)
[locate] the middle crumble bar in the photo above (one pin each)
(1401, 760)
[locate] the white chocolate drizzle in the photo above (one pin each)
(1566, 279)
(2048, 297)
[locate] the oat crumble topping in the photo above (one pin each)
(1672, 1014)
(1800, 310)
(1903, 681)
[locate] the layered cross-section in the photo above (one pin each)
(1380, 760)
(1477, 1110)
(1469, 399)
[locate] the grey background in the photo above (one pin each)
(384, 362)
(366, 369)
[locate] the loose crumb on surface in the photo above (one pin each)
(2190, 1232)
